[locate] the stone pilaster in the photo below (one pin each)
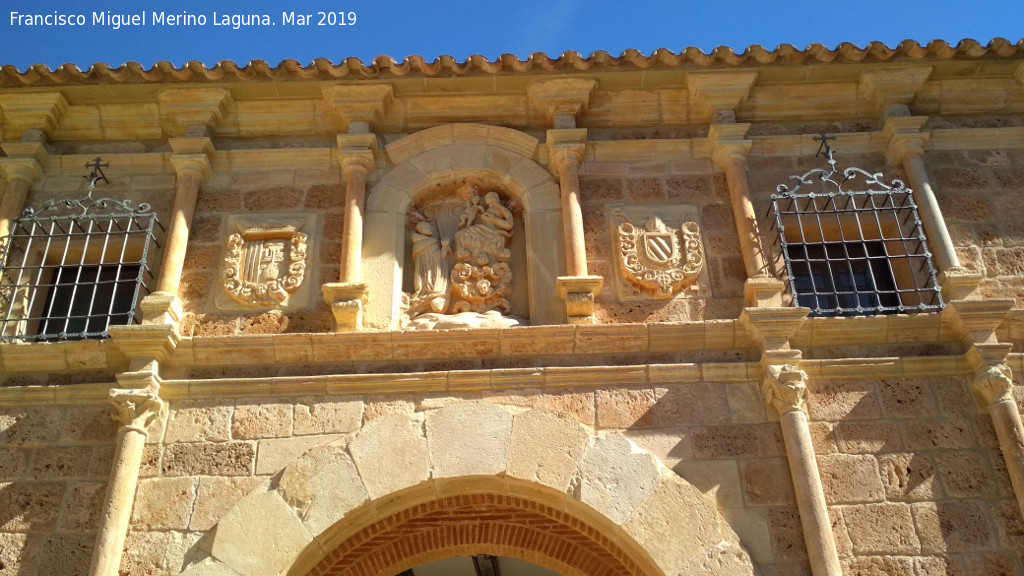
(136, 408)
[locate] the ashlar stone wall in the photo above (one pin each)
(910, 465)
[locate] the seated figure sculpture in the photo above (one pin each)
(461, 276)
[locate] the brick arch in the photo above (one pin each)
(481, 523)
(448, 155)
(475, 477)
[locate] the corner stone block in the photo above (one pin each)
(674, 523)
(391, 453)
(469, 439)
(323, 485)
(546, 448)
(261, 536)
(614, 477)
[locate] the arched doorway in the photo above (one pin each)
(474, 478)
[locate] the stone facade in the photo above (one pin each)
(283, 408)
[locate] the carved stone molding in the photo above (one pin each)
(785, 388)
(994, 383)
(347, 302)
(656, 260)
(136, 408)
(579, 294)
(181, 108)
(265, 263)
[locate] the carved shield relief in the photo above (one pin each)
(265, 265)
(655, 259)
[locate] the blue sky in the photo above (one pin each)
(459, 28)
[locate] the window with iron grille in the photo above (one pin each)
(853, 253)
(71, 276)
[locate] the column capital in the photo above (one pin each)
(993, 383)
(562, 101)
(367, 103)
(34, 111)
(711, 92)
(356, 152)
(892, 86)
(136, 408)
(25, 161)
(181, 108)
(566, 145)
(905, 137)
(728, 143)
(191, 164)
(785, 388)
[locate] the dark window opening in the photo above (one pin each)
(831, 278)
(85, 300)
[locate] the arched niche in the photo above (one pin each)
(446, 157)
(475, 478)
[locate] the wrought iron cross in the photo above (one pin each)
(97, 172)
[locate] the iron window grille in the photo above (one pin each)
(853, 252)
(71, 276)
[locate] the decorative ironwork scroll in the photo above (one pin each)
(853, 252)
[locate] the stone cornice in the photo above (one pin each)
(34, 111)
(561, 97)
(717, 91)
(893, 86)
(359, 103)
(181, 108)
(654, 375)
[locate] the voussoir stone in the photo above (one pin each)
(674, 523)
(260, 536)
(614, 476)
(545, 448)
(468, 439)
(391, 453)
(323, 485)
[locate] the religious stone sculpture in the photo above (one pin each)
(460, 254)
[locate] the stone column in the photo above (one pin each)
(906, 147)
(785, 390)
(567, 161)
(135, 410)
(347, 297)
(730, 149)
(192, 166)
(20, 177)
(994, 386)
(577, 288)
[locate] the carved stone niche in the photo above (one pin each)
(266, 262)
(658, 252)
(467, 261)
